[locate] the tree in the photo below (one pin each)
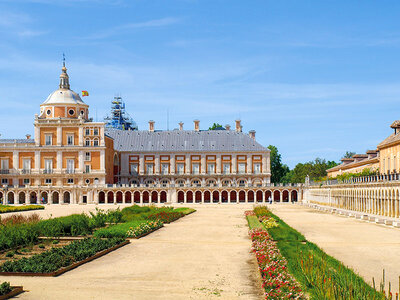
(316, 169)
(278, 170)
(216, 126)
(348, 154)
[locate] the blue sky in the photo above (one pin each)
(314, 78)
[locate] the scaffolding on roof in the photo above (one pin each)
(119, 118)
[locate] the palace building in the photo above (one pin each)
(72, 159)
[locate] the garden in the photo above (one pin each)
(12, 208)
(293, 268)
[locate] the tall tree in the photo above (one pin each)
(216, 126)
(348, 154)
(278, 170)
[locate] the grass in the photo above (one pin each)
(321, 275)
(185, 210)
(11, 208)
(119, 230)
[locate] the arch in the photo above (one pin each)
(163, 196)
(267, 195)
(110, 197)
(233, 196)
(257, 182)
(242, 196)
(67, 197)
(119, 197)
(277, 196)
(226, 182)
(259, 196)
(294, 196)
(128, 197)
(55, 197)
(136, 197)
(154, 197)
(180, 182)
(10, 197)
(33, 198)
(215, 196)
(146, 197)
(181, 197)
(44, 198)
(241, 182)
(250, 196)
(21, 198)
(285, 196)
(189, 197)
(195, 182)
(224, 196)
(207, 197)
(211, 182)
(197, 197)
(102, 197)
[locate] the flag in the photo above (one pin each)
(85, 93)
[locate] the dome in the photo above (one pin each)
(63, 96)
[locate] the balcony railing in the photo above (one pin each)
(47, 171)
(69, 171)
(4, 171)
(26, 171)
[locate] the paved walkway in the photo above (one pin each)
(368, 248)
(202, 256)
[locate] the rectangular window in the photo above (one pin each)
(96, 131)
(87, 156)
(48, 139)
(4, 164)
(26, 164)
(47, 181)
(149, 169)
(87, 168)
(26, 181)
(241, 168)
(87, 142)
(70, 139)
(87, 131)
(226, 168)
(4, 181)
(133, 169)
(164, 169)
(394, 164)
(195, 168)
(180, 168)
(48, 166)
(96, 142)
(70, 180)
(210, 168)
(70, 166)
(388, 166)
(257, 168)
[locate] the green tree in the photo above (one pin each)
(278, 170)
(316, 169)
(348, 154)
(216, 126)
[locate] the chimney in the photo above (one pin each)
(228, 127)
(28, 136)
(181, 126)
(196, 125)
(252, 134)
(151, 126)
(238, 126)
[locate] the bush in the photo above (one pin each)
(72, 225)
(11, 208)
(19, 219)
(17, 235)
(144, 228)
(165, 216)
(5, 288)
(120, 230)
(57, 258)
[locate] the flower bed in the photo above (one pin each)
(11, 208)
(268, 222)
(54, 260)
(7, 291)
(144, 229)
(166, 216)
(277, 282)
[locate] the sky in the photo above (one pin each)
(314, 78)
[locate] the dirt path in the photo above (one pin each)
(365, 247)
(202, 256)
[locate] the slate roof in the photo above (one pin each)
(18, 141)
(185, 141)
(390, 139)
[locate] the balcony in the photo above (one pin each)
(4, 171)
(69, 171)
(47, 171)
(25, 171)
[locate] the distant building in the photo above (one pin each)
(390, 151)
(356, 164)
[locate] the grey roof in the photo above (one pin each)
(185, 140)
(18, 141)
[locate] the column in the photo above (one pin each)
(218, 165)
(80, 136)
(37, 135)
(102, 143)
(123, 197)
(141, 164)
(37, 161)
(27, 198)
(59, 161)
(157, 165)
(172, 165)
(102, 161)
(59, 136)
(264, 164)
(187, 165)
(220, 197)
(281, 196)
(203, 166)
(15, 162)
(249, 164)
(81, 161)
(229, 196)
(234, 164)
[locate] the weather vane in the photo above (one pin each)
(63, 59)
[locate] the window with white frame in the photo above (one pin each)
(70, 180)
(164, 183)
(4, 181)
(4, 164)
(211, 168)
(87, 168)
(196, 183)
(133, 169)
(180, 183)
(26, 181)
(256, 168)
(226, 168)
(48, 166)
(87, 131)
(96, 131)
(149, 169)
(26, 164)
(195, 168)
(180, 168)
(47, 181)
(87, 156)
(48, 139)
(70, 166)
(87, 142)
(70, 139)
(241, 168)
(95, 142)
(164, 168)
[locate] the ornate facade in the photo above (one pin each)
(72, 159)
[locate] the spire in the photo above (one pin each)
(64, 79)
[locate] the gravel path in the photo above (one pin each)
(202, 256)
(367, 248)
